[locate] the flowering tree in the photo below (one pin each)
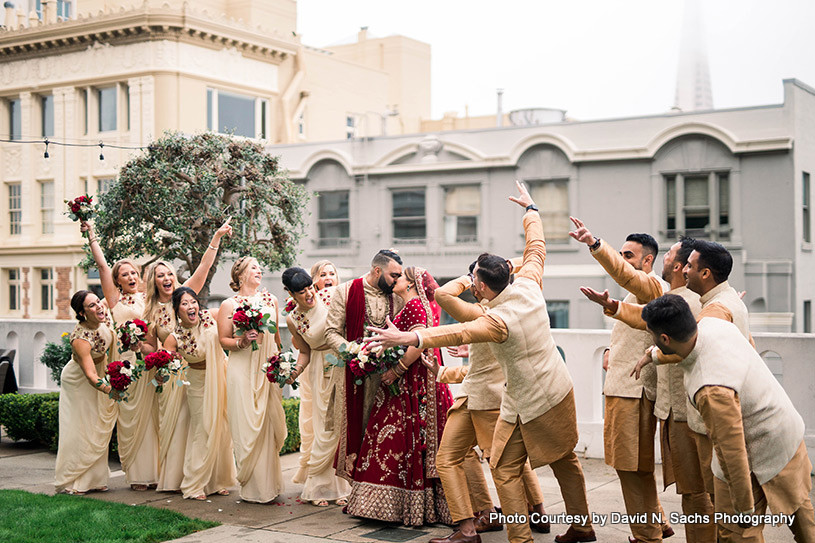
(167, 203)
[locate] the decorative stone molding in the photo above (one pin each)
(429, 149)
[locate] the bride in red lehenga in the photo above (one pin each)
(395, 479)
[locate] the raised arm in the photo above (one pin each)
(720, 409)
(486, 328)
(199, 277)
(448, 299)
(109, 288)
(644, 286)
(535, 246)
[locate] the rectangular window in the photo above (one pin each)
(94, 285)
(107, 108)
(333, 219)
(47, 108)
(14, 288)
(47, 206)
(83, 104)
(15, 115)
(210, 112)
(126, 93)
(698, 205)
(264, 104)
(462, 206)
(558, 312)
(552, 199)
(15, 209)
(807, 316)
(807, 206)
(236, 114)
(102, 185)
(46, 276)
(350, 127)
(409, 223)
(64, 9)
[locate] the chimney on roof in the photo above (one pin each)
(362, 35)
(499, 115)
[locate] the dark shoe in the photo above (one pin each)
(483, 524)
(573, 536)
(540, 527)
(667, 532)
(457, 537)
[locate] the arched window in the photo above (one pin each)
(547, 170)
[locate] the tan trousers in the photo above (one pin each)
(462, 477)
(680, 458)
(507, 475)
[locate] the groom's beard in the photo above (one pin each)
(384, 286)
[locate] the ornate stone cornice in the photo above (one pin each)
(146, 23)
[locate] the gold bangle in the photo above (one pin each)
(92, 240)
(402, 366)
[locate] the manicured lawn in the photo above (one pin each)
(38, 518)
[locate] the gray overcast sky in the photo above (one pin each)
(594, 58)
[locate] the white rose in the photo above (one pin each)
(285, 366)
(363, 358)
(126, 371)
(354, 348)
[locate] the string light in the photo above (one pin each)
(45, 155)
(101, 145)
(101, 151)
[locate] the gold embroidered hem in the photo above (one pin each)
(393, 504)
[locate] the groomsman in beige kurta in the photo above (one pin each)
(681, 463)
(761, 459)
(706, 272)
(629, 423)
(472, 421)
(537, 419)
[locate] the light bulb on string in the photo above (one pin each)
(45, 155)
(101, 151)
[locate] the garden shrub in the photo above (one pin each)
(56, 355)
(291, 407)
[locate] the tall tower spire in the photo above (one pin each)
(693, 90)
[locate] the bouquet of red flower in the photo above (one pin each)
(129, 334)
(363, 364)
(81, 209)
(119, 375)
(289, 307)
(166, 364)
(250, 317)
(278, 368)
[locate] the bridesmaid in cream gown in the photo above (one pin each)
(254, 407)
(208, 463)
(307, 326)
(324, 275)
(137, 427)
(173, 415)
(86, 413)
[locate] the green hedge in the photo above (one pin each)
(35, 417)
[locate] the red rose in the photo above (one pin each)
(240, 318)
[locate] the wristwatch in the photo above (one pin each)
(532, 207)
(596, 245)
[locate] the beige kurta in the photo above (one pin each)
(378, 306)
(255, 410)
(321, 482)
(86, 417)
(173, 414)
(209, 464)
(137, 427)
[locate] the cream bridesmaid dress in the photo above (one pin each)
(86, 417)
(137, 427)
(209, 465)
(255, 411)
(173, 415)
(321, 482)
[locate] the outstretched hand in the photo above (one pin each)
(390, 336)
(459, 351)
(581, 233)
(603, 299)
(225, 229)
(644, 361)
(524, 199)
(430, 362)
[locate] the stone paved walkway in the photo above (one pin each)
(288, 520)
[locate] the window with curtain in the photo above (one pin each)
(15, 115)
(47, 111)
(558, 313)
(47, 206)
(462, 207)
(106, 98)
(552, 198)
